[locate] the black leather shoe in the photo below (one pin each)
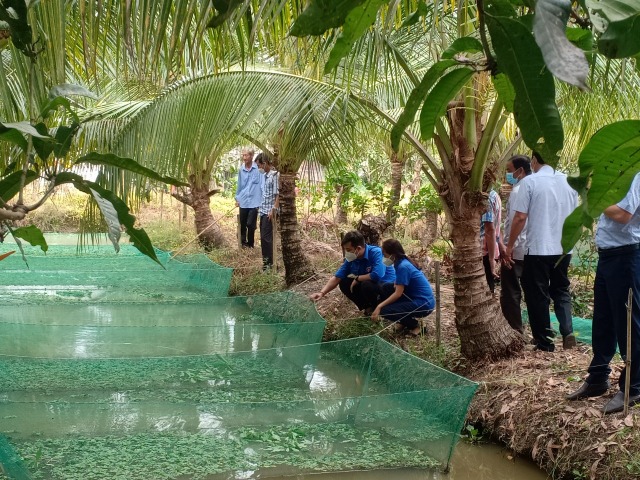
(616, 404)
(587, 390)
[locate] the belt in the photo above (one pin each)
(608, 252)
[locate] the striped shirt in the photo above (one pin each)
(269, 192)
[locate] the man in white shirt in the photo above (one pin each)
(518, 167)
(618, 242)
(544, 201)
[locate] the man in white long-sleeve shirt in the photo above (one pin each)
(544, 201)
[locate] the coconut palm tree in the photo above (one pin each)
(185, 130)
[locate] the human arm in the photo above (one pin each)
(330, 285)
(517, 225)
(397, 293)
(276, 205)
(617, 214)
(378, 269)
(238, 187)
(489, 238)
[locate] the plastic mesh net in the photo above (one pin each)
(104, 276)
(191, 387)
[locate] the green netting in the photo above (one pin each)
(62, 277)
(106, 330)
(182, 384)
(353, 404)
(581, 326)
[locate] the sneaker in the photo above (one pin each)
(569, 342)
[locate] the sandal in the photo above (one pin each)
(421, 330)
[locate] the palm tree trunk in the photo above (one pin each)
(341, 213)
(397, 168)
(483, 331)
(208, 229)
(297, 266)
(431, 225)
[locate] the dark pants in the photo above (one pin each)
(364, 295)
(403, 310)
(615, 274)
(511, 294)
(491, 281)
(543, 281)
(248, 223)
(266, 240)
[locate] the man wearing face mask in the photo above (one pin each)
(362, 274)
(544, 201)
(518, 167)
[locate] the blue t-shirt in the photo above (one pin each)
(416, 285)
(371, 262)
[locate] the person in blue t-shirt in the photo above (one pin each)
(410, 297)
(361, 275)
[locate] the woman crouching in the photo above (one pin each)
(410, 297)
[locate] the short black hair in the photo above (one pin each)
(535, 154)
(521, 161)
(354, 237)
(264, 158)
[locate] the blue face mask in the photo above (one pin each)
(511, 180)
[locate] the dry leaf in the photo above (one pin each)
(594, 467)
(553, 382)
(569, 409)
(601, 449)
(550, 450)
(628, 420)
(505, 408)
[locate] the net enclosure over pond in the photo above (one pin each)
(205, 387)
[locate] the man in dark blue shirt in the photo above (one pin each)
(361, 275)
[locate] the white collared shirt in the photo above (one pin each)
(548, 200)
(611, 234)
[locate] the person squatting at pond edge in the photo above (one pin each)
(544, 201)
(618, 270)
(248, 197)
(518, 167)
(268, 208)
(361, 275)
(410, 297)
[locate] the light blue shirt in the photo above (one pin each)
(371, 262)
(249, 188)
(611, 234)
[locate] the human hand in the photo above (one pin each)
(237, 203)
(353, 284)
(375, 315)
(316, 296)
(507, 260)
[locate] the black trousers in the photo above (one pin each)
(266, 240)
(491, 281)
(615, 274)
(543, 281)
(511, 294)
(365, 294)
(248, 223)
(403, 310)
